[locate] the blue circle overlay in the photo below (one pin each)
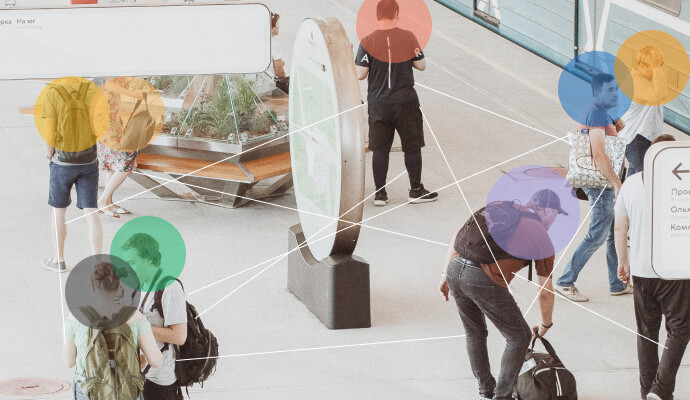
(520, 185)
(576, 93)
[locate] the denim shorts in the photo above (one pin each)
(63, 177)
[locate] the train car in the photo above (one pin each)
(559, 30)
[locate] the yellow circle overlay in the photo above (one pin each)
(658, 64)
(71, 114)
(137, 113)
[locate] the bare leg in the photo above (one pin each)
(103, 200)
(114, 182)
(93, 221)
(59, 229)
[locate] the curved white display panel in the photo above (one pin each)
(137, 40)
(327, 140)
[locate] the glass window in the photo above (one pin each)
(670, 6)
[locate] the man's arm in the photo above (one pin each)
(546, 300)
(419, 64)
(597, 138)
(279, 68)
(49, 126)
(621, 226)
(175, 334)
(362, 72)
(443, 286)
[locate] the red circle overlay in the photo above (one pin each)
(414, 16)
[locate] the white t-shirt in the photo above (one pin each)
(175, 311)
(647, 121)
(276, 54)
(630, 203)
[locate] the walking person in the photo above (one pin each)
(165, 309)
(598, 124)
(644, 120)
(70, 165)
(479, 285)
(78, 351)
(654, 297)
(117, 163)
(393, 101)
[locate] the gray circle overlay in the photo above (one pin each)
(86, 303)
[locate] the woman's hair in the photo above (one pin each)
(274, 19)
(649, 56)
(146, 246)
(104, 278)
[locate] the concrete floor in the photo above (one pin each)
(465, 61)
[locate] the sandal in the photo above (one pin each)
(122, 210)
(109, 213)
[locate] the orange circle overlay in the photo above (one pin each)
(132, 127)
(52, 110)
(414, 16)
(658, 64)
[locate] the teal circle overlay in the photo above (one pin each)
(145, 241)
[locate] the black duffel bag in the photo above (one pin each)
(544, 377)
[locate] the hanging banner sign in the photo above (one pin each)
(667, 202)
(139, 40)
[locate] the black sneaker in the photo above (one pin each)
(421, 195)
(50, 265)
(381, 198)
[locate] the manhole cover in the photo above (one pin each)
(33, 386)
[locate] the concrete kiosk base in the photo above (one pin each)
(336, 289)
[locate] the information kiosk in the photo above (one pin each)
(327, 151)
(667, 208)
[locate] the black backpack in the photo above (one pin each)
(546, 377)
(496, 222)
(200, 343)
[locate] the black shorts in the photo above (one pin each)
(385, 119)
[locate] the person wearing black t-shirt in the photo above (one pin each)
(386, 57)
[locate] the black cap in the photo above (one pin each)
(547, 198)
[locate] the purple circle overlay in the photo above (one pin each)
(520, 184)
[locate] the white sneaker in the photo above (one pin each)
(653, 396)
(628, 290)
(571, 293)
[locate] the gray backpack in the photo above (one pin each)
(74, 129)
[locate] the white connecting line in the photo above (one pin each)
(389, 210)
(225, 159)
(564, 251)
(334, 219)
(305, 243)
(462, 193)
(342, 346)
(593, 312)
(62, 298)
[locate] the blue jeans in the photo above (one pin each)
(600, 231)
(634, 152)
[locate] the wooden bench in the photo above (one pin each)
(232, 179)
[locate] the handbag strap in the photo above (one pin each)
(549, 349)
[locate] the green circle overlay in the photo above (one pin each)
(170, 245)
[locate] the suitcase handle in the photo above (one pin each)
(547, 346)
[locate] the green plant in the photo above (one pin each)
(216, 116)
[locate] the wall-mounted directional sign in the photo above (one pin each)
(134, 40)
(667, 202)
(327, 140)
